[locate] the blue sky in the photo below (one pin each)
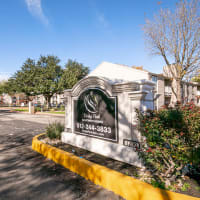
(89, 31)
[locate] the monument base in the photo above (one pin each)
(105, 148)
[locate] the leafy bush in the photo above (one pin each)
(171, 140)
(37, 109)
(157, 184)
(54, 130)
(40, 108)
(185, 187)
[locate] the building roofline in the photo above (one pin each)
(129, 67)
(148, 72)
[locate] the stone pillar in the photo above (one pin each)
(68, 111)
(136, 99)
(31, 108)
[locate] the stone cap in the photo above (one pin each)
(109, 86)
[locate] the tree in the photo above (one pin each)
(176, 37)
(2, 87)
(25, 79)
(7, 87)
(49, 76)
(73, 72)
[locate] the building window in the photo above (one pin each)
(154, 79)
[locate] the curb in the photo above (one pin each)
(125, 186)
(49, 114)
(38, 113)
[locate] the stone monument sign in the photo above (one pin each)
(101, 117)
(96, 115)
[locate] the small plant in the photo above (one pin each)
(185, 187)
(135, 174)
(172, 188)
(157, 184)
(127, 173)
(54, 130)
(37, 109)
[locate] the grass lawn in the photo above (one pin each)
(56, 112)
(21, 109)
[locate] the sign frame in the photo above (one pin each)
(116, 116)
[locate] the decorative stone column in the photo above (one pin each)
(136, 99)
(68, 111)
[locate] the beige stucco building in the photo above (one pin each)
(190, 91)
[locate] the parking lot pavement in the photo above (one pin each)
(27, 175)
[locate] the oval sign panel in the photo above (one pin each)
(95, 115)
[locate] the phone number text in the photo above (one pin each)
(92, 127)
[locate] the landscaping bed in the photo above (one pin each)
(190, 184)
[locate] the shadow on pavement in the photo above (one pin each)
(5, 112)
(26, 174)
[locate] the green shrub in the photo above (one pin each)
(157, 184)
(54, 130)
(171, 140)
(37, 109)
(185, 187)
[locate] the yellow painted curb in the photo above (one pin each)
(125, 186)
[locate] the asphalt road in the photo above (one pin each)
(27, 175)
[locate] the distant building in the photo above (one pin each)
(190, 91)
(20, 99)
(56, 99)
(15, 99)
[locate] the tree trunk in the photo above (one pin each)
(178, 89)
(48, 98)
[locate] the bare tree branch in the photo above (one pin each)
(175, 35)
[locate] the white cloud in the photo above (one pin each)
(35, 8)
